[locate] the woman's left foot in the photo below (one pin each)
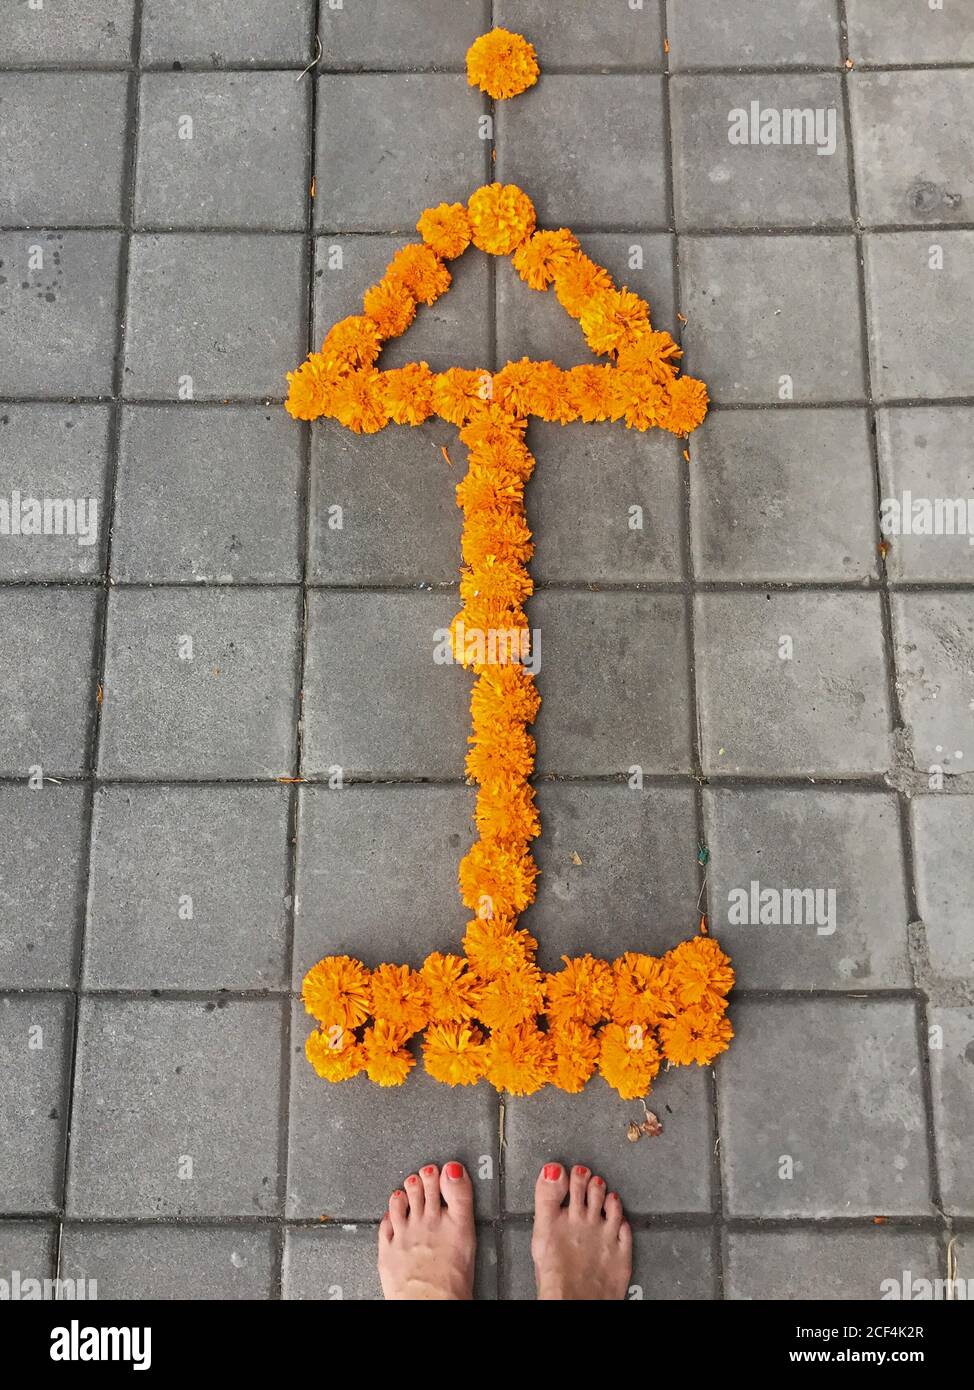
(427, 1238)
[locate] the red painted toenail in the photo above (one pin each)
(580, 1171)
(429, 1170)
(552, 1171)
(454, 1171)
(412, 1178)
(600, 1181)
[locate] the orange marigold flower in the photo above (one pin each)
(505, 692)
(695, 1035)
(308, 389)
(645, 404)
(502, 532)
(499, 581)
(613, 319)
(544, 256)
(458, 394)
(486, 487)
(400, 996)
(502, 64)
(501, 217)
(519, 1060)
(485, 633)
(505, 806)
(336, 990)
(453, 988)
(418, 270)
(390, 307)
(578, 282)
(356, 402)
(503, 874)
(576, 1053)
(455, 1053)
(515, 997)
(628, 1059)
(387, 1061)
(494, 946)
(654, 353)
(590, 392)
(445, 229)
(643, 989)
(510, 754)
(581, 992)
(334, 1053)
(701, 972)
(551, 394)
(407, 393)
(353, 343)
(686, 405)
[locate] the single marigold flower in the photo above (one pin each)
(614, 319)
(501, 217)
(515, 997)
(589, 392)
(544, 256)
(419, 271)
(577, 283)
(400, 996)
(685, 406)
(701, 972)
(506, 582)
(387, 1061)
(696, 1035)
(353, 343)
(494, 946)
(458, 394)
(390, 307)
(505, 806)
(308, 389)
(581, 992)
(498, 532)
(643, 990)
(484, 633)
(504, 692)
(576, 1051)
(455, 1053)
(454, 990)
(653, 353)
(502, 64)
(502, 874)
(356, 402)
(628, 1059)
(336, 991)
(445, 229)
(511, 755)
(406, 393)
(334, 1053)
(519, 1060)
(646, 402)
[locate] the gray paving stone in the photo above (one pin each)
(177, 1108)
(26, 1252)
(58, 296)
(903, 33)
(220, 33)
(750, 33)
(827, 841)
(781, 495)
(964, 1255)
(352, 1143)
(759, 328)
(942, 831)
(383, 506)
(188, 888)
(583, 498)
(718, 183)
(934, 639)
(800, 1264)
(951, 1063)
(589, 153)
(636, 886)
(172, 1262)
(424, 34)
(208, 494)
(333, 1262)
(46, 685)
(572, 35)
(358, 849)
(928, 453)
(376, 700)
(62, 147)
(228, 711)
(197, 131)
(531, 323)
(670, 1173)
(453, 332)
(913, 145)
(389, 146)
(823, 710)
(35, 1043)
(613, 681)
(80, 31)
(43, 853)
(830, 1091)
(920, 334)
(193, 333)
(668, 1264)
(56, 454)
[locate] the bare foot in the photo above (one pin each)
(426, 1249)
(583, 1250)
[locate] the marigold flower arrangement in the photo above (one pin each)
(491, 1013)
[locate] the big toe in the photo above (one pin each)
(457, 1190)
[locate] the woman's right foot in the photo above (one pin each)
(582, 1250)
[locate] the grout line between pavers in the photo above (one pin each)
(845, 227)
(889, 645)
